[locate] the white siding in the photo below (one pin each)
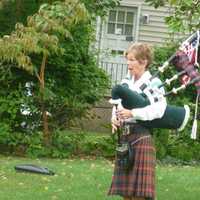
(154, 32)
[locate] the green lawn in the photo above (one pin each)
(87, 179)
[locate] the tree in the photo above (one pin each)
(186, 14)
(40, 37)
(51, 60)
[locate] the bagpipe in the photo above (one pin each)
(186, 62)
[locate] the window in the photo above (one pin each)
(120, 22)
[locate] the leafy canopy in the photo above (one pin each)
(186, 14)
(40, 36)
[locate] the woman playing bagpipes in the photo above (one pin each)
(139, 102)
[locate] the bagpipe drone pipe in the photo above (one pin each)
(186, 62)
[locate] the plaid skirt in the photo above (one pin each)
(139, 181)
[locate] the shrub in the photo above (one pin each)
(64, 144)
(82, 143)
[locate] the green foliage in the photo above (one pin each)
(13, 11)
(64, 144)
(4, 133)
(161, 139)
(79, 82)
(156, 3)
(185, 16)
(176, 148)
(183, 148)
(100, 8)
(67, 143)
(40, 36)
(73, 81)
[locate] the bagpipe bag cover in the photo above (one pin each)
(173, 117)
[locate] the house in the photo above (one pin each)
(132, 21)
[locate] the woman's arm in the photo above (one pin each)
(150, 112)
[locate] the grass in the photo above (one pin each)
(87, 179)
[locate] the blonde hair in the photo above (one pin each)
(141, 52)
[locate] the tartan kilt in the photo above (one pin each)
(139, 181)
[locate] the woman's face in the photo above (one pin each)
(135, 67)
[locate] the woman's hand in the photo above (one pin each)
(121, 115)
(124, 114)
(115, 124)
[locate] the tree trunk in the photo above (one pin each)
(46, 134)
(18, 9)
